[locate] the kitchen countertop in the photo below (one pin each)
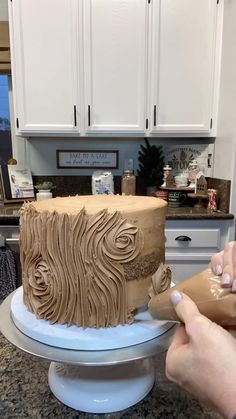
(191, 213)
(25, 393)
(9, 214)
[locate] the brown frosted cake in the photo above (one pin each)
(89, 260)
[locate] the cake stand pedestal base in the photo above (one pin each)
(104, 389)
(97, 381)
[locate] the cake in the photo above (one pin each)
(89, 260)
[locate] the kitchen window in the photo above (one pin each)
(5, 128)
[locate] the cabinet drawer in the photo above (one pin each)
(193, 239)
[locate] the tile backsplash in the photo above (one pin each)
(81, 185)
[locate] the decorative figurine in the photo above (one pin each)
(193, 170)
(170, 181)
(166, 171)
(200, 184)
(200, 193)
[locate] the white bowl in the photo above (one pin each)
(181, 181)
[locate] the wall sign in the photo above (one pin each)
(84, 159)
(179, 157)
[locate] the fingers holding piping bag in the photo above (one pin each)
(185, 308)
(195, 360)
(224, 264)
(217, 262)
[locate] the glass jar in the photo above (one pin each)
(128, 183)
(193, 170)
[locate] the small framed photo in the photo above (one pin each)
(16, 184)
(87, 159)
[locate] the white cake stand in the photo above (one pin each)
(94, 381)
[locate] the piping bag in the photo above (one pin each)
(215, 302)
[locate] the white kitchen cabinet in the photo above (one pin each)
(44, 46)
(183, 69)
(115, 65)
(191, 243)
(93, 67)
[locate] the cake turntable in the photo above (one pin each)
(97, 380)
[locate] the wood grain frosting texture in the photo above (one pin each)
(88, 260)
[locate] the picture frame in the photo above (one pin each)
(87, 159)
(16, 184)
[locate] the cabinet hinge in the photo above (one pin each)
(17, 122)
(211, 122)
(146, 123)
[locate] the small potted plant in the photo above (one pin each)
(151, 163)
(44, 190)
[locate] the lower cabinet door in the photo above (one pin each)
(190, 244)
(182, 269)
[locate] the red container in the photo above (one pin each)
(161, 194)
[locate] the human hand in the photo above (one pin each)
(224, 263)
(202, 358)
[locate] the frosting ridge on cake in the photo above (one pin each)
(88, 260)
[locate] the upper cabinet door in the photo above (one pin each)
(115, 65)
(44, 65)
(182, 65)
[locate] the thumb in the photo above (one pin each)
(185, 308)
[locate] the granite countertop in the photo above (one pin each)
(9, 214)
(191, 213)
(25, 393)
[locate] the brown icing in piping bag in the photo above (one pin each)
(215, 302)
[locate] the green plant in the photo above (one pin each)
(45, 186)
(151, 163)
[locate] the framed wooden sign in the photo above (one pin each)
(87, 159)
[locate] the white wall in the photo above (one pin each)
(3, 10)
(41, 153)
(225, 144)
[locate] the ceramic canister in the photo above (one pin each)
(43, 194)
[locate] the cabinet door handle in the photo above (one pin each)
(155, 116)
(183, 239)
(75, 118)
(89, 115)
